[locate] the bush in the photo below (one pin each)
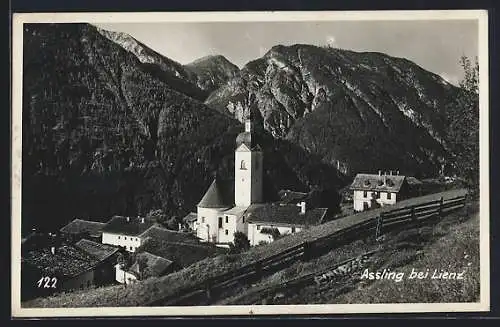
(240, 244)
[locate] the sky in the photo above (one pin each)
(435, 45)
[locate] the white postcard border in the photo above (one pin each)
(16, 168)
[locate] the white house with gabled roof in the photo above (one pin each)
(384, 189)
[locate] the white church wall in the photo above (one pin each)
(208, 220)
(255, 235)
(229, 225)
(242, 176)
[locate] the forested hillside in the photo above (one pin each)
(102, 135)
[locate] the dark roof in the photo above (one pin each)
(182, 253)
(98, 250)
(167, 235)
(291, 197)
(279, 214)
(192, 216)
(156, 264)
(132, 227)
(375, 182)
(78, 226)
(67, 261)
(413, 181)
(220, 194)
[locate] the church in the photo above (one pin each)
(238, 205)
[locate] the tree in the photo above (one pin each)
(470, 82)
(142, 263)
(240, 243)
(463, 128)
(123, 260)
(173, 223)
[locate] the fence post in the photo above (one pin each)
(258, 270)
(306, 255)
(378, 231)
(441, 204)
(207, 290)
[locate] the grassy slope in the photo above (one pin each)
(452, 244)
(155, 288)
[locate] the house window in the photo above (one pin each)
(125, 237)
(243, 165)
(220, 222)
(258, 227)
(119, 237)
(293, 229)
(227, 219)
(377, 194)
(227, 232)
(202, 220)
(365, 194)
(389, 195)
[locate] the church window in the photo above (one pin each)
(227, 232)
(220, 222)
(365, 194)
(227, 219)
(243, 165)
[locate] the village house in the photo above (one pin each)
(79, 228)
(125, 231)
(154, 266)
(265, 221)
(190, 220)
(66, 267)
(106, 256)
(383, 189)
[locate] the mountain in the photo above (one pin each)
(206, 74)
(357, 111)
(104, 134)
(171, 71)
(212, 71)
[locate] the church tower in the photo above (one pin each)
(248, 168)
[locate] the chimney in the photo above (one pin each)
(53, 249)
(390, 172)
(302, 206)
(379, 173)
(142, 220)
(397, 172)
(180, 226)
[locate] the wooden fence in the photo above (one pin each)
(384, 221)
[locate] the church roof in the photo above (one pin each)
(249, 139)
(220, 194)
